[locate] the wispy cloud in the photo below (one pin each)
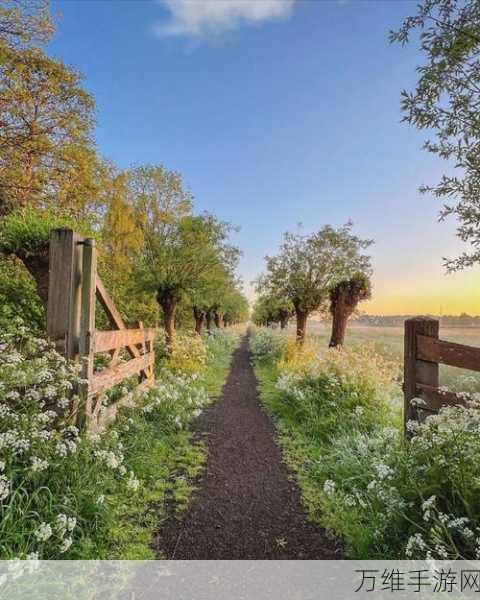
(201, 18)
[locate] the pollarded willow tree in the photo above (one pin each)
(209, 291)
(446, 102)
(175, 266)
(180, 250)
(308, 266)
(235, 307)
(272, 309)
(344, 299)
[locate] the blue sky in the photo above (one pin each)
(275, 114)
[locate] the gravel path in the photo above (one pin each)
(248, 505)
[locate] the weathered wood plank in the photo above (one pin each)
(87, 322)
(63, 311)
(113, 315)
(110, 340)
(417, 370)
(114, 375)
(115, 318)
(448, 353)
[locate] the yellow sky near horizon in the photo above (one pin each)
(435, 293)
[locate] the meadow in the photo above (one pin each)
(388, 341)
(339, 420)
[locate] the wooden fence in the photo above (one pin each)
(424, 352)
(74, 288)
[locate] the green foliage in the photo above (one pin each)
(177, 264)
(341, 431)
(26, 232)
(235, 306)
(445, 102)
(272, 309)
(19, 302)
(307, 266)
(47, 155)
(25, 22)
(64, 494)
(350, 292)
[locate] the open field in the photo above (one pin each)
(389, 342)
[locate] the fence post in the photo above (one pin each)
(87, 321)
(63, 310)
(414, 370)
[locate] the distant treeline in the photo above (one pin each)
(463, 320)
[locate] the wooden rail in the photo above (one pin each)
(74, 287)
(423, 354)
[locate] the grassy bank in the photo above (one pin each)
(339, 424)
(67, 495)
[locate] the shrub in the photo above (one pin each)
(189, 354)
(419, 500)
(25, 232)
(220, 342)
(267, 345)
(50, 475)
(338, 388)
(19, 302)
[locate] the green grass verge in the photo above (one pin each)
(297, 449)
(168, 462)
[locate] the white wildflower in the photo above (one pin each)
(44, 532)
(38, 464)
(133, 483)
(383, 471)
(4, 487)
(65, 545)
(329, 487)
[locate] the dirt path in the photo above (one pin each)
(248, 505)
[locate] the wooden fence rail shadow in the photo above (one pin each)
(74, 288)
(424, 352)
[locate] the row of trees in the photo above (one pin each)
(156, 253)
(326, 270)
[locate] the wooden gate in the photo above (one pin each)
(74, 288)
(424, 352)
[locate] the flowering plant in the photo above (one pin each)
(339, 416)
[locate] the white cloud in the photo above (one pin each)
(199, 18)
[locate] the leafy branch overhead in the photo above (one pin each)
(446, 103)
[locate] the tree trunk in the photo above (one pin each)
(284, 318)
(37, 266)
(199, 316)
(218, 320)
(341, 313)
(169, 303)
(209, 319)
(302, 317)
